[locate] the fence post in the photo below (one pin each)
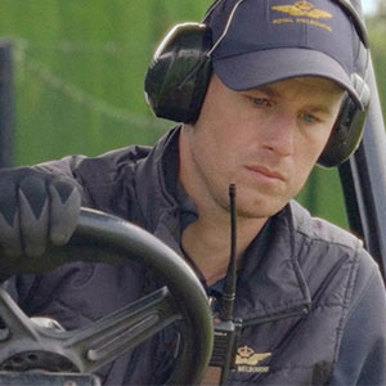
(6, 104)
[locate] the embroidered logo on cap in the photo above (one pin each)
(247, 360)
(302, 12)
(303, 8)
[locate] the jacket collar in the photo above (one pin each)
(271, 282)
(165, 206)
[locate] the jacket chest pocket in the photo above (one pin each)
(284, 352)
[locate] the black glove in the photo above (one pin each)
(36, 208)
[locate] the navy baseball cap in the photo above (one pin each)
(257, 42)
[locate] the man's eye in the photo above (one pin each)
(309, 118)
(261, 102)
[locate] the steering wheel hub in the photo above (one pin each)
(38, 360)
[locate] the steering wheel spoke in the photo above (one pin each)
(17, 324)
(123, 330)
(25, 345)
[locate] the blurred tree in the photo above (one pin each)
(79, 70)
(376, 24)
(381, 8)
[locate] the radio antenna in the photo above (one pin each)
(226, 329)
(229, 291)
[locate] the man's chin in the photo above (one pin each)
(257, 207)
(258, 213)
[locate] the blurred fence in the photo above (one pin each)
(78, 76)
(79, 68)
(6, 104)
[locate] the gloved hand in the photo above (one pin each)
(36, 208)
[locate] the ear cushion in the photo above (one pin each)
(345, 136)
(178, 76)
(348, 130)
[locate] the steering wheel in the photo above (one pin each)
(24, 345)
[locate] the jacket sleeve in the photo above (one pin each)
(103, 180)
(362, 355)
(67, 167)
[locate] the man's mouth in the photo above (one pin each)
(268, 173)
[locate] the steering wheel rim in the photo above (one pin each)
(184, 293)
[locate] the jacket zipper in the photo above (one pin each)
(297, 311)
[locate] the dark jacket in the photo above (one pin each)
(311, 299)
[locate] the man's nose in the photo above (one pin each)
(279, 133)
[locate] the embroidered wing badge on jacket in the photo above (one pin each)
(248, 361)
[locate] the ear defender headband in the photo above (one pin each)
(179, 73)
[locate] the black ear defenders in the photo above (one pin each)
(347, 132)
(179, 73)
(178, 76)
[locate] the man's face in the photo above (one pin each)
(266, 141)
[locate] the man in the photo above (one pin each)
(311, 299)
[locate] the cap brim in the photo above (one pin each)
(256, 69)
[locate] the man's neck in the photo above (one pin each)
(208, 242)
